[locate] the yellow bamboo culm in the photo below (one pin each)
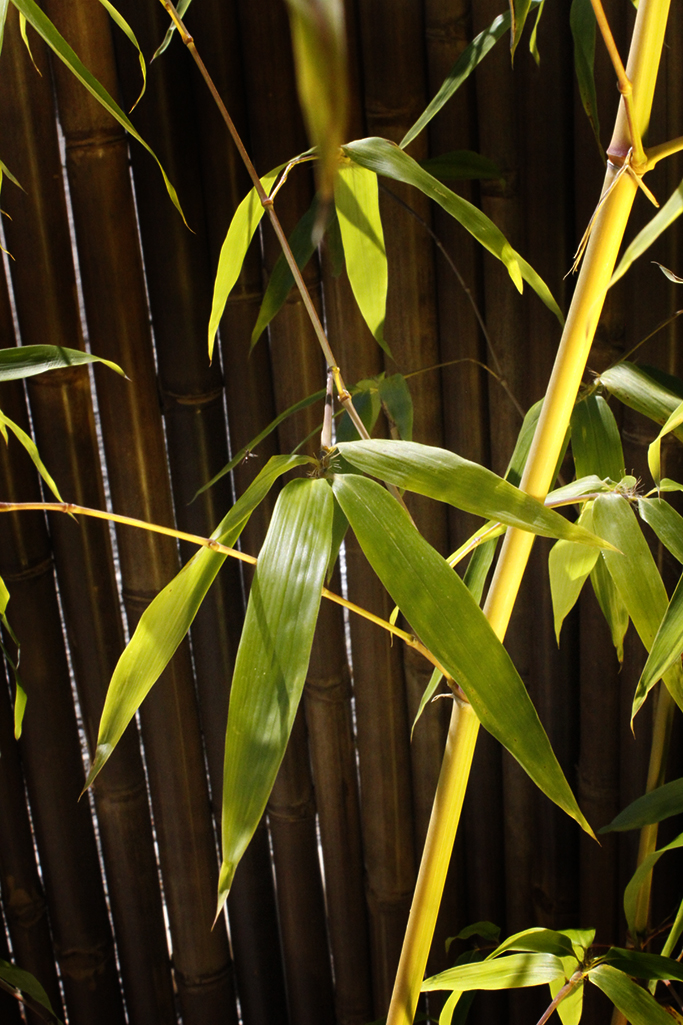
(598, 264)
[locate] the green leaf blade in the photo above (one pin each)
(27, 360)
(659, 804)
(515, 971)
(634, 1002)
(583, 25)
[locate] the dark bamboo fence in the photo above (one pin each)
(109, 902)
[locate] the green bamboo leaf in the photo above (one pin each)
(302, 244)
(130, 35)
(613, 608)
(583, 25)
(28, 360)
(4, 5)
(244, 223)
(444, 615)
(447, 477)
(637, 579)
(28, 984)
(272, 660)
(4, 169)
(570, 1008)
(446, 1016)
(579, 489)
(168, 617)
(30, 446)
(461, 70)
(357, 202)
(367, 404)
(659, 804)
(388, 159)
(24, 36)
(667, 646)
(654, 450)
(596, 444)
(461, 165)
(664, 218)
(519, 10)
(533, 40)
(666, 523)
(640, 875)
(538, 939)
(644, 389)
(569, 566)
(44, 27)
(486, 930)
(512, 972)
(641, 965)
(319, 42)
(634, 1002)
(181, 8)
(20, 693)
(397, 402)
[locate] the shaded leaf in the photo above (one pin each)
(128, 32)
(357, 202)
(272, 660)
(569, 566)
(512, 972)
(30, 446)
(641, 965)
(659, 804)
(181, 7)
(672, 209)
(4, 169)
(448, 620)
(649, 392)
(611, 605)
(447, 477)
(47, 31)
(486, 930)
(634, 1002)
(669, 273)
(28, 360)
(654, 450)
(640, 876)
(596, 443)
(518, 10)
(20, 693)
(168, 617)
(396, 399)
(533, 39)
(583, 26)
(367, 404)
(4, 5)
(667, 647)
(461, 165)
(234, 249)
(27, 983)
(388, 159)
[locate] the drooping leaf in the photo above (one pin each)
(168, 617)
(634, 1002)
(667, 646)
(181, 7)
(388, 159)
(357, 202)
(512, 972)
(570, 1008)
(654, 451)
(319, 42)
(649, 392)
(24, 36)
(641, 874)
(596, 443)
(20, 693)
(461, 70)
(272, 660)
(611, 605)
(397, 402)
(30, 446)
(518, 10)
(664, 218)
(640, 964)
(533, 39)
(659, 804)
(569, 566)
(4, 169)
(234, 249)
(444, 615)
(461, 165)
(538, 939)
(447, 477)
(27, 983)
(130, 35)
(28, 360)
(446, 1016)
(637, 579)
(583, 26)
(4, 5)
(47, 31)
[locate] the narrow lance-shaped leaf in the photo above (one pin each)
(640, 964)
(272, 660)
(583, 26)
(44, 27)
(659, 804)
(460, 165)
(596, 444)
(654, 450)
(28, 984)
(30, 446)
(4, 5)
(234, 249)
(639, 877)
(117, 17)
(447, 619)
(648, 391)
(545, 941)
(664, 218)
(28, 360)
(181, 8)
(515, 971)
(397, 402)
(5, 171)
(569, 566)
(519, 10)
(634, 1002)
(20, 693)
(357, 202)
(447, 477)
(168, 617)
(388, 159)
(668, 644)
(611, 605)
(666, 523)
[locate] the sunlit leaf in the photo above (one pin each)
(181, 7)
(667, 646)
(664, 217)
(570, 1008)
(388, 159)
(319, 42)
(659, 804)
(654, 450)
(666, 523)
(512, 972)
(544, 941)
(669, 273)
(272, 660)
(569, 566)
(596, 444)
(519, 10)
(168, 617)
(611, 605)
(446, 1016)
(533, 40)
(130, 35)
(24, 35)
(447, 477)
(444, 615)
(644, 389)
(634, 1002)
(28, 984)
(460, 165)
(30, 446)
(461, 70)
(583, 26)
(44, 27)
(357, 202)
(28, 360)
(245, 221)
(5, 171)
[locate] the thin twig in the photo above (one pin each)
(623, 81)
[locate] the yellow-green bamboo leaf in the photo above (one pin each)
(443, 613)
(5, 171)
(397, 403)
(44, 27)
(664, 218)
(357, 202)
(4, 6)
(596, 444)
(655, 449)
(181, 8)
(234, 249)
(461, 165)
(515, 971)
(30, 446)
(519, 10)
(661, 803)
(168, 617)
(651, 392)
(24, 35)
(118, 18)
(583, 26)
(27, 360)
(613, 608)
(570, 1008)
(533, 39)
(272, 660)
(634, 1002)
(20, 693)
(639, 877)
(388, 159)
(569, 566)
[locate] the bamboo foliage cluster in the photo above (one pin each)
(341, 494)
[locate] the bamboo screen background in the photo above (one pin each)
(308, 951)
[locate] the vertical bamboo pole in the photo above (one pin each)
(598, 264)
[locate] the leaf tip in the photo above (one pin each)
(101, 757)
